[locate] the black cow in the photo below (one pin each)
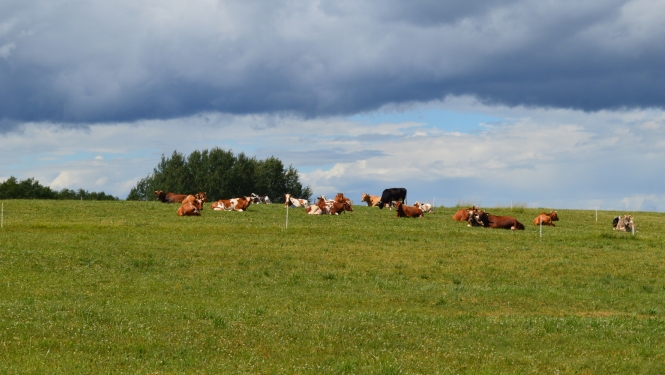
(392, 194)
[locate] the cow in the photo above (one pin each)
(392, 194)
(169, 197)
(372, 200)
(340, 198)
(338, 207)
(426, 207)
(196, 200)
(546, 219)
(624, 223)
(260, 199)
(493, 221)
(234, 204)
(313, 210)
(188, 209)
(324, 204)
(407, 211)
(464, 213)
(296, 202)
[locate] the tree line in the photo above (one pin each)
(32, 189)
(222, 175)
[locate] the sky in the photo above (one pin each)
(543, 104)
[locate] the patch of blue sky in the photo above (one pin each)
(451, 121)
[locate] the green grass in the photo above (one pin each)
(129, 287)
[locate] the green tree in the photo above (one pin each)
(221, 174)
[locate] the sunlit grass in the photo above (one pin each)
(108, 287)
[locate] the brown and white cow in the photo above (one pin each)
(426, 207)
(313, 210)
(234, 204)
(169, 197)
(464, 213)
(188, 209)
(372, 200)
(407, 211)
(500, 222)
(624, 223)
(338, 207)
(196, 200)
(546, 219)
(295, 202)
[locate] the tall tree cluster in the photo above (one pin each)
(32, 189)
(222, 175)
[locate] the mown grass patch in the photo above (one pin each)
(110, 287)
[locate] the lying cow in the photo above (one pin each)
(197, 200)
(426, 207)
(188, 209)
(624, 223)
(169, 197)
(234, 204)
(392, 195)
(546, 219)
(340, 198)
(465, 213)
(372, 200)
(295, 202)
(313, 210)
(338, 207)
(260, 199)
(493, 221)
(407, 211)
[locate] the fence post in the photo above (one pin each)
(2, 216)
(287, 217)
(541, 228)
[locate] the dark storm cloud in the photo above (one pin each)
(79, 62)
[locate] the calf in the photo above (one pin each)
(407, 211)
(546, 219)
(501, 222)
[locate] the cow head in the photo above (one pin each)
(161, 196)
(554, 216)
(478, 219)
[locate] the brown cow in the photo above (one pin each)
(188, 209)
(492, 221)
(196, 200)
(407, 211)
(372, 200)
(546, 219)
(464, 213)
(169, 197)
(337, 207)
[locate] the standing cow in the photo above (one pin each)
(392, 194)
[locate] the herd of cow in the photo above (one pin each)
(191, 205)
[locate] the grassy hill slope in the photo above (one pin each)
(129, 287)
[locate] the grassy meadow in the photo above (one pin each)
(129, 287)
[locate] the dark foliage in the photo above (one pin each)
(222, 175)
(32, 189)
